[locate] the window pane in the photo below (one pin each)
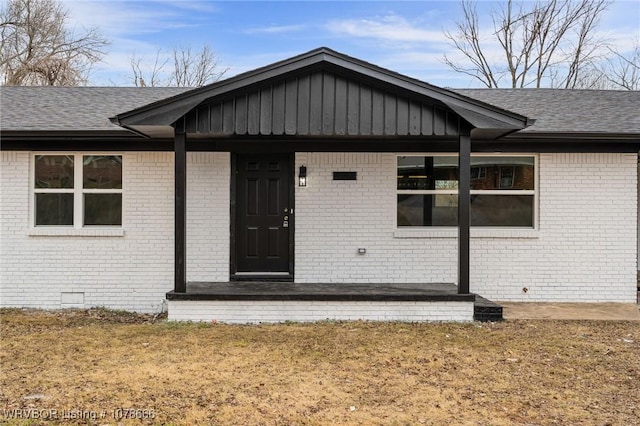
(502, 173)
(502, 210)
(438, 172)
(54, 209)
(427, 210)
(54, 171)
(486, 210)
(103, 209)
(102, 171)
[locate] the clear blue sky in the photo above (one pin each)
(405, 36)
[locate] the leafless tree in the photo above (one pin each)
(37, 47)
(190, 68)
(153, 74)
(619, 70)
(623, 71)
(195, 69)
(531, 43)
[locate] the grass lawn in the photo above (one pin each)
(79, 365)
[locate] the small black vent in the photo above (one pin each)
(345, 175)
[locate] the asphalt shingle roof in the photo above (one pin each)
(73, 108)
(89, 108)
(562, 110)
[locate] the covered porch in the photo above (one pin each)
(319, 102)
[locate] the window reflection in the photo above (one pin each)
(427, 172)
(427, 210)
(54, 209)
(54, 171)
(102, 172)
(502, 210)
(103, 209)
(502, 190)
(502, 173)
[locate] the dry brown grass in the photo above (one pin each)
(509, 373)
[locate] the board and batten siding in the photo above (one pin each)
(321, 104)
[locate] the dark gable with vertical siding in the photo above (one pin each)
(321, 103)
(328, 95)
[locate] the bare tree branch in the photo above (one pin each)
(623, 71)
(467, 41)
(152, 76)
(195, 69)
(546, 42)
(37, 48)
(190, 68)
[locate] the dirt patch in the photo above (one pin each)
(572, 311)
(509, 373)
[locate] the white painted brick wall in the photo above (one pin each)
(335, 218)
(208, 220)
(584, 249)
(132, 271)
(587, 242)
(241, 312)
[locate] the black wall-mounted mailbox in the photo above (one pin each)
(345, 175)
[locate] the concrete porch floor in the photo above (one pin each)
(269, 290)
(571, 311)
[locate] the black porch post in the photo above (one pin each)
(180, 164)
(464, 216)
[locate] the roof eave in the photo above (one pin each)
(120, 133)
(577, 136)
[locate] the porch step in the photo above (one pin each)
(272, 301)
(486, 310)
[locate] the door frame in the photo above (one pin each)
(232, 207)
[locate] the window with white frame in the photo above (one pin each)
(503, 190)
(77, 190)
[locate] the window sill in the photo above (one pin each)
(76, 232)
(448, 232)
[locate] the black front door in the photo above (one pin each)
(264, 222)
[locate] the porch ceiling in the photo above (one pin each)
(323, 93)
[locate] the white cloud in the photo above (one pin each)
(194, 6)
(389, 28)
(117, 19)
(276, 29)
(127, 26)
